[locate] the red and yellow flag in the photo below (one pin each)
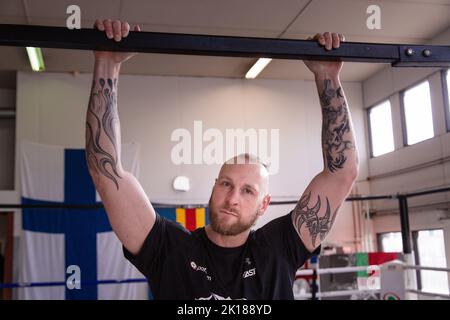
(191, 218)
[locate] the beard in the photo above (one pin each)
(229, 229)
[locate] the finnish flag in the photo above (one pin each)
(54, 239)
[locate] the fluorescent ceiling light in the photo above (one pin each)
(36, 60)
(257, 68)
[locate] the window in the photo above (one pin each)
(431, 253)
(381, 133)
(417, 113)
(446, 91)
(390, 242)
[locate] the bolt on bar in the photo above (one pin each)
(213, 45)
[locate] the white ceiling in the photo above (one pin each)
(403, 21)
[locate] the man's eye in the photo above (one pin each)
(226, 183)
(249, 191)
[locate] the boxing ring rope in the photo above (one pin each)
(305, 272)
(335, 294)
(64, 283)
(427, 268)
(200, 205)
(431, 294)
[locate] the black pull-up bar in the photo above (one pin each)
(398, 55)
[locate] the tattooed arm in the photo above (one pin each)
(129, 211)
(317, 208)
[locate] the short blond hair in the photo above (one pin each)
(246, 158)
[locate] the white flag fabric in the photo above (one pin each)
(52, 240)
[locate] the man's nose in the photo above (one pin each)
(233, 197)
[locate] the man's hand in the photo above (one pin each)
(114, 30)
(329, 41)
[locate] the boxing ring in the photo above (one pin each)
(400, 271)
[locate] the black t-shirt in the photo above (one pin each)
(180, 264)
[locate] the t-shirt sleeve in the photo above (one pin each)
(281, 236)
(164, 235)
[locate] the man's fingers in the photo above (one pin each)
(341, 37)
(125, 29)
(114, 29)
(320, 38)
(336, 40)
(137, 28)
(108, 28)
(117, 29)
(328, 40)
(99, 25)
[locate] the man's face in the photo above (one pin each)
(238, 198)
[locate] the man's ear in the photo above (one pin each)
(264, 205)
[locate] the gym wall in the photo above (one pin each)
(383, 170)
(51, 109)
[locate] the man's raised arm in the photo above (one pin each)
(316, 210)
(129, 211)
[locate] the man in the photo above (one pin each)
(224, 260)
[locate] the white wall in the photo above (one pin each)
(420, 166)
(426, 163)
(51, 109)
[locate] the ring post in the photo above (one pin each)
(410, 275)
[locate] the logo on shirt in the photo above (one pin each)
(198, 268)
(215, 296)
(249, 273)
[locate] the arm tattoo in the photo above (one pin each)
(335, 124)
(317, 226)
(103, 101)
